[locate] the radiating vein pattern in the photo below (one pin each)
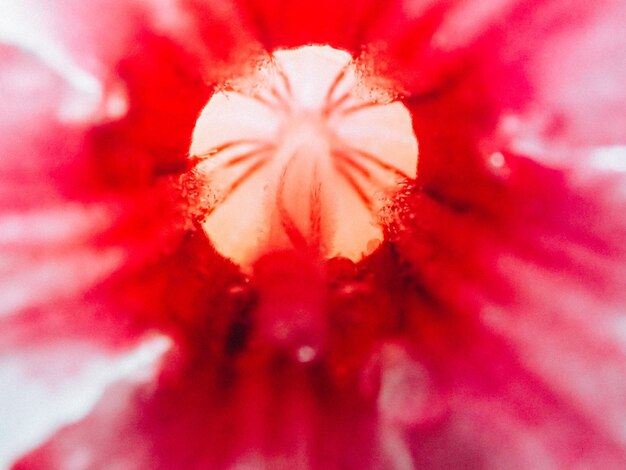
(300, 159)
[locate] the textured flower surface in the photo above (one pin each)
(486, 330)
(301, 155)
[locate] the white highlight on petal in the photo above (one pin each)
(617, 327)
(497, 164)
(405, 388)
(306, 354)
(496, 160)
(610, 158)
(116, 102)
(416, 9)
(523, 133)
(395, 447)
(300, 155)
(43, 390)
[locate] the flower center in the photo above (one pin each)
(301, 154)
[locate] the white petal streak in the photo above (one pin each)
(29, 281)
(45, 389)
(73, 40)
(573, 345)
(586, 166)
(56, 225)
(29, 29)
(466, 21)
(23, 28)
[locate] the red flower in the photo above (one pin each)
(487, 331)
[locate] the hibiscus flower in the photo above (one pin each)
(484, 329)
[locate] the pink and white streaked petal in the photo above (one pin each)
(46, 387)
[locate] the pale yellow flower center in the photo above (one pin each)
(303, 154)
